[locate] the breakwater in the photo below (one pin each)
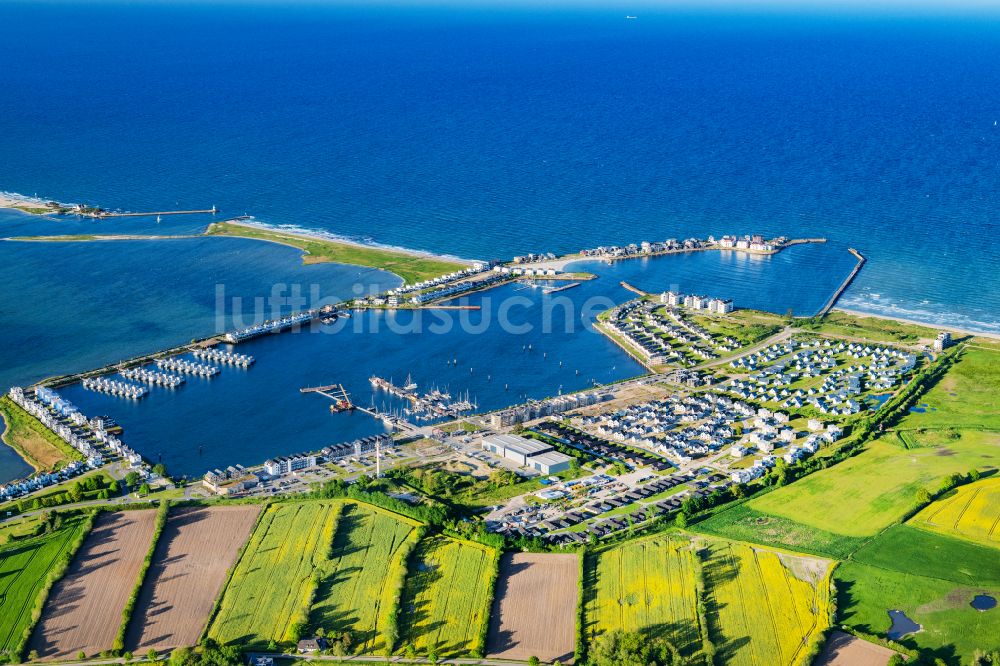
(845, 284)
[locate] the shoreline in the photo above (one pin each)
(915, 322)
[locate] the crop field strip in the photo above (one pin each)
(970, 512)
(759, 613)
(264, 593)
(24, 569)
(446, 601)
(355, 594)
(197, 548)
(646, 586)
(83, 611)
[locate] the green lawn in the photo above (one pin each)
(411, 267)
(39, 446)
(25, 565)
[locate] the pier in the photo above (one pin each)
(115, 388)
(273, 326)
(845, 284)
(336, 392)
(186, 367)
(553, 290)
(151, 377)
(222, 357)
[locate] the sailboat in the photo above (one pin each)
(410, 385)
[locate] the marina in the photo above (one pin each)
(479, 371)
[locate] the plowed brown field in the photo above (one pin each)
(84, 609)
(196, 549)
(535, 606)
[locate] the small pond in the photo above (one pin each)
(901, 625)
(984, 602)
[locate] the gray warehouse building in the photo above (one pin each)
(529, 453)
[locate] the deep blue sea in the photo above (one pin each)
(483, 132)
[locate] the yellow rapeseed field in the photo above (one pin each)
(270, 583)
(759, 611)
(971, 512)
(648, 586)
(446, 603)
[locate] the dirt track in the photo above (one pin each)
(534, 610)
(196, 549)
(84, 609)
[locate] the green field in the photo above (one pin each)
(867, 328)
(25, 564)
(931, 577)
(950, 626)
(269, 587)
(971, 512)
(922, 553)
(446, 601)
(764, 608)
(965, 398)
(411, 267)
(647, 586)
(742, 523)
(360, 590)
(865, 494)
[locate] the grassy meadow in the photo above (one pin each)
(930, 577)
(647, 586)
(971, 512)
(965, 398)
(411, 267)
(865, 494)
(269, 589)
(367, 565)
(763, 608)
(743, 523)
(25, 563)
(446, 601)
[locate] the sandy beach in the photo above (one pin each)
(20, 202)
